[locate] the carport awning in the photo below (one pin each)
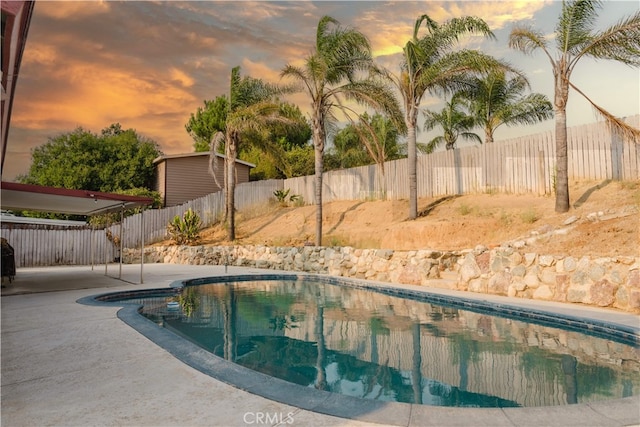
(30, 197)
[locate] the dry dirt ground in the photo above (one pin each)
(607, 223)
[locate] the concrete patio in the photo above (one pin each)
(65, 364)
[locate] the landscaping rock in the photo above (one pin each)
(603, 281)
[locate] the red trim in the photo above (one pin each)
(56, 191)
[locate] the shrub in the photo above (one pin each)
(185, 230)
(464, 209)
(281, 197)
(529, 216)
(505, 219)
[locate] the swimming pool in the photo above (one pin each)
(347, 337)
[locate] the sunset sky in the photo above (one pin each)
(149, 65)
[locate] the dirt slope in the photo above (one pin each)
(606, 223)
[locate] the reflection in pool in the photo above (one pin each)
(377, 346)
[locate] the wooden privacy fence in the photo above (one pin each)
(520, 165)
(47, 245)
(43, 245)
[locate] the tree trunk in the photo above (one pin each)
(230, 162)
(318, 144)
(318, 194)
(412, 159)
(488, 135)
(562, 168)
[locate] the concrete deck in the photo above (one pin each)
(65, 364)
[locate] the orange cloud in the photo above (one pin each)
(181, 77)
(40, 54)
(259, 70)
(95, 97)
(78, 9)
(392, 33)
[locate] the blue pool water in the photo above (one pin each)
(378, 346)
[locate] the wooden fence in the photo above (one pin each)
(521, 165)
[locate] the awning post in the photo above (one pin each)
(141, 245)
(121, 241)
(93, 244)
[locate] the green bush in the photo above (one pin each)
(185, 230)
(281, 195)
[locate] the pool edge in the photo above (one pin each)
(621, 411)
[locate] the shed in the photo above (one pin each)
(184, 177)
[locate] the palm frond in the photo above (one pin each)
(376, 95)
(529, 110)
(575, 25)
(430, 25)
(470, 136)
(452, 30)
(527, 40)
(620, 42)
(432, 145)
(617, 125)
(216, 142)
(422, 148)
(323, 29)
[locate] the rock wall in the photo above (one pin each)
(604, 282)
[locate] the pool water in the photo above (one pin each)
(378, 346)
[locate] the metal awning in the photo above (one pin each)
(16, 196)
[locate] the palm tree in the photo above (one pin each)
(430, 64)
(379, 136)
(496, 101)
(372, 138)
(331, 74)
(252, 107)
(575, 38)
(454, 121)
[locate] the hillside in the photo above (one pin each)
(605, 223)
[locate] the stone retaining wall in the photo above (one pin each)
(604, 282)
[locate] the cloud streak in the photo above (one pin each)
(149, 65)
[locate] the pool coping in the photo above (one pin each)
(625, 411)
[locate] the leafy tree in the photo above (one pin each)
(207, 121)
(347, 150)
(454, 121)
(496, 101)
(288, 136)
(270, 163)
(252, 110)
(300, 161)
(113, 161)
(575, 38)
(430, 64)
(330, 75)
(295, 132)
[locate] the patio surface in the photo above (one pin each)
(67, 364)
